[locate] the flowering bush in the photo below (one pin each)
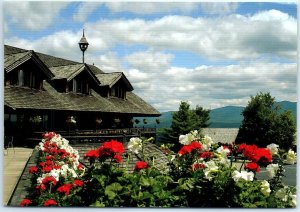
(201, 174)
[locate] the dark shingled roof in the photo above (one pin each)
(67, 72)
(109, 79)
(10, 60)
(25, 98)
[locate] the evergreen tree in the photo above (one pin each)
(185, 120)
(264, 124)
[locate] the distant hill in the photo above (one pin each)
(224, 117)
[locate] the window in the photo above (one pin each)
(21, 78)
(27, 78)
(79, 86)
(117, 91)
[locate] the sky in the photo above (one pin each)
(210, 54)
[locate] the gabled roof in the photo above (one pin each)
(67, 72)
(25, 98)
(109, 79)
(15, 59)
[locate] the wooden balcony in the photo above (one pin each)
(97, 136)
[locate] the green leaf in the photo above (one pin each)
(98, 204)
(112, 190)
(110, 194)
(144, 182)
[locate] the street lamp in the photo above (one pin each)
(83, 45)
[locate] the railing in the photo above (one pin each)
(97, 136)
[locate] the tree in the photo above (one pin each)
(264, 124)
(185, 120)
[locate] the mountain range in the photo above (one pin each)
(224, 117)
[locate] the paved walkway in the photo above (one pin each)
(14, 161)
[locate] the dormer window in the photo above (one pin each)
(20, 78)
(117, 91)
(78, 86)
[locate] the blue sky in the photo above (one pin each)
(210, 54)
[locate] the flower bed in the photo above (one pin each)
(201, 174)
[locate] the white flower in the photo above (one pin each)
(281, 194)
(186, 139)
(272, 170)
(273, 148)
(135, 145)
(211, 168)
(291, 157)
(248, 176)
(265, 188)
(293, 201)
(206, 143)
(223, 151)
(55, 173)
(41, 146)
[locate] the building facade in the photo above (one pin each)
(47, 93)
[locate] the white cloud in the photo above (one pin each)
(32, 15)
(229, 37)
(271, 33)
(151, 7)
(108, 62)
(84, 10)
(219, 7)
(214, 86)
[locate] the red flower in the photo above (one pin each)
(92, 154)
(252, 167)
(49, 135)
(263, 155)
(33, 169)
(80, 166)
(140, 165)
(25, 202)
(197, 166)
(50, 202)
(185, 149)
(189, 148)
(78, 183)
(41, 187)
(111, 149)
(114, 146)
(118, 158)
(47, 168)
(196, 145)
(50, 157)
(66, 188)
(49, 180)
(206, 155)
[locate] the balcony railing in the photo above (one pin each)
(98, 136)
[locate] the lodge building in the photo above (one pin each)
(47, 93)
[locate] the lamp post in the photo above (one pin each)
(83, 45)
